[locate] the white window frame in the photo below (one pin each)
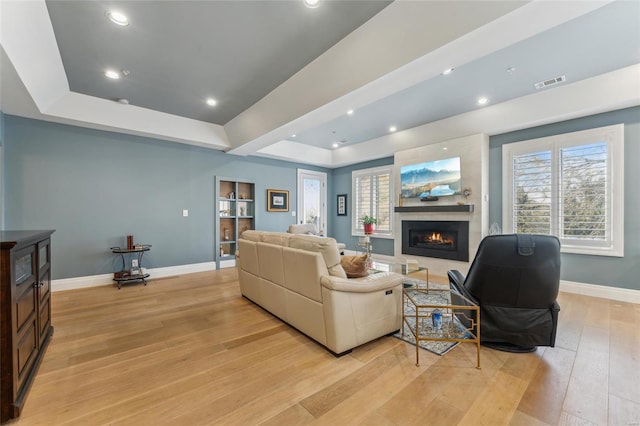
(613, 136)
(357, 229)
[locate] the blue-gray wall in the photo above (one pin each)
(614, 271)
(341, 225)
(1, 170)
(95, 187)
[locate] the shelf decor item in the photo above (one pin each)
(277, 200)
(367, 223)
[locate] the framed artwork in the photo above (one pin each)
(277, 200)
(342, 204)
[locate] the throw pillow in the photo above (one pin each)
(354, 266)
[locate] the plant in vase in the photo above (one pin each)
(368, 222)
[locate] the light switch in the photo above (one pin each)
(185, 213)
(293, 213)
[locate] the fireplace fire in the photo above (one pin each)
(440, 239)
(437, 239)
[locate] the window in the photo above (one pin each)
(372, 195)
(570, 186)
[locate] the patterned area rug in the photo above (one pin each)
(426, 325)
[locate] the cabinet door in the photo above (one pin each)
(44, 289)
(26, 330)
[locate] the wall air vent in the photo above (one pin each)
(550, 82)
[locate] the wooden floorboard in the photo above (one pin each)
(190, 350)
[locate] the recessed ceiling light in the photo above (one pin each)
(114, 75)
(392, 129)
(293, 135)
(211, 102)
(511, 70)
(445, 148)
(483, 101)
(311, 4)
(350, 112)
(335, 144)
(118, 18)
(448, 71)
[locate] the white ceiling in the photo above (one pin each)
(278, 68)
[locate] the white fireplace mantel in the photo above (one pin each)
(438, 208)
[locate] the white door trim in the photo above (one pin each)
(302, 173)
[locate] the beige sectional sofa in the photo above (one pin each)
(299, 279)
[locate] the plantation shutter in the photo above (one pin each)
(381, 202)
(532, 193)
(372, 196)
(583, 192)
(363, 198)
(569, 185)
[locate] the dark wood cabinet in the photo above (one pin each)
(25, 313)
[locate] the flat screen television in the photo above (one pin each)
(438, 178)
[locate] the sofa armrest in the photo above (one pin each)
(368, 284)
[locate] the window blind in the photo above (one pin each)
(372, 196)
(532, 195)
(583, 195)
(570, 186)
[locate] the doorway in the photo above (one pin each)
(312, 199)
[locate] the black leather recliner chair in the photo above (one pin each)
(515, 281)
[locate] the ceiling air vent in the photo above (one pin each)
(550, 82)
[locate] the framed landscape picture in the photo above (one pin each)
(277, 200)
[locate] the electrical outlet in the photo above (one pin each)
(134, 263)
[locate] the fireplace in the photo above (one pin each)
(441, 239)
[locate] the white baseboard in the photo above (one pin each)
(593, 290)
(602, 291)
(107, 279)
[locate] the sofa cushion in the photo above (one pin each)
(251, 235)
(279, 239)
(302, 272)
(325, 246)
(270, 263)
(355, 266)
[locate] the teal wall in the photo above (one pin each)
(341, 225)
(614, 271)
(95, 187)
(1, 170)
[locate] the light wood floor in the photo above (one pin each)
(190, 350)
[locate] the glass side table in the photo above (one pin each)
(430, 315)
(401, 268)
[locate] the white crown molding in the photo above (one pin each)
(29, 44)
(607, 92)
(385, 64)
